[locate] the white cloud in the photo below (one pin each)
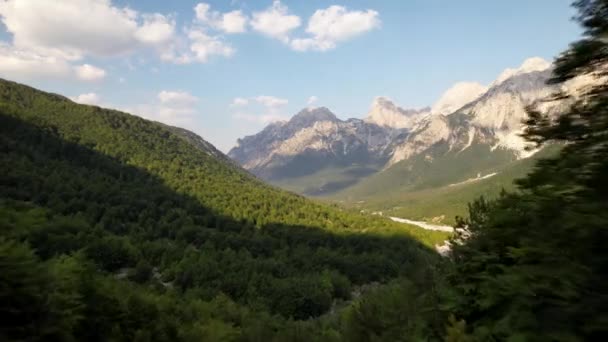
(177, 98)
(312, 100)
(49, 36)
(176, 108)
(75, 29)
(174, 116)
(260, 119)
(87, 72)
(202, 11)
(262, 109)
(26, 65)
(88, 98)
(233, 22)
(203, 46)
(335, 24)
(23, 65)
(167, 115)
(239, 101)
(157, 29)
(270, 101)
(230, 22)
(275, 21)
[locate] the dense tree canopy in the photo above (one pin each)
(138, 208)
(536, 266)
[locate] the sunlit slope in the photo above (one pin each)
(186, 168)
(444, 203)
(438, 167)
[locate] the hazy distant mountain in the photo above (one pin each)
(470, 129)
(385, 113)
(493, 118)
(457, 96)
(314, 139)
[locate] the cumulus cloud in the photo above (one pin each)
(334, 24)
(230, 22)
(233, 22)
(260, 119)
(87, 72)
(263, 100)
(261, 109)
(49, 36)
(176, 108)
(88, 98)
(275, 21)
(239, 101)
(312, 100)
(201, 48)
(176, 98)
(202, 11)
(24, 65)
(156, 29)
(73, 29)
(270, 101)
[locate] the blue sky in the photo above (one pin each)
(166, 61)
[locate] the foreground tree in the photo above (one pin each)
(535, 266)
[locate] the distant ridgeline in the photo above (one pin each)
(118, 228)
(471, 131)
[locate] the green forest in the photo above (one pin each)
(134, 206)
(115, 228)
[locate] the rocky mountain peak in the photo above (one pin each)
(309, 116)
(457, 96)
(467, 119)
(383, 112)
(529, 65)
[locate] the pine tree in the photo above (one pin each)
(535, 266)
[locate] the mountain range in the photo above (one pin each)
(471, 130)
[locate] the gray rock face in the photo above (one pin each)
(311, 140)
(315, 139)
(385, 113)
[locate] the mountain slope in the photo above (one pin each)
(457, 96)
(393, 149)
(385, 113)
(133, 198)
(479, 138)
(443, 203)
(315, 141)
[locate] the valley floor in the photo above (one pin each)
(423, 225)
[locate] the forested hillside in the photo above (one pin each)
(534, 266)
(114, 228)
(444, 204)
(110, 222)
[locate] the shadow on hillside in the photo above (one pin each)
(280, 267)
